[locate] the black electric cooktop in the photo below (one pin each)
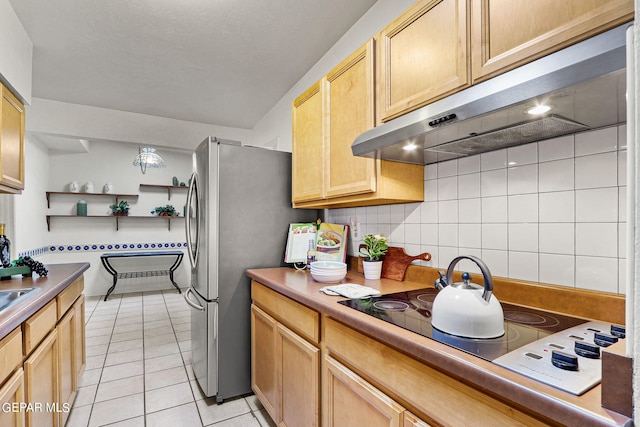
(412, 310)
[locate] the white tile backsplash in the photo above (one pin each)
(597, 274)
(468, 165)
(522, 155)
(493, 160)
(556, 175)
(597, 170)
(556, 149)
(523, 265)
(494, 236)
(523, 208)
(557, 207)
(557, 238)
(470, 211)
(448, 188)
(557, 269)
(522, 179)
(598, 141)
(523, 237)
(469, 186)
(552, 211)
(449, 168)
(494, 209)
(493, 183)
(597, 239)
(597, 205)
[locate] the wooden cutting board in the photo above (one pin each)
(395, 262)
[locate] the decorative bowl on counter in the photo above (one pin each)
(328, 271)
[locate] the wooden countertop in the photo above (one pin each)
(514, 389)
(59, 277)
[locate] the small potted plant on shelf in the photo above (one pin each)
(376, 246)
(120, 209)
(168, 210)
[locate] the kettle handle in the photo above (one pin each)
(488, 279)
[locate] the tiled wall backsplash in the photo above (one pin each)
(552, 212)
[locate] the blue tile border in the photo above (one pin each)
(99, 247)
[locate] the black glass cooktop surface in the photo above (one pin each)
(412, 310)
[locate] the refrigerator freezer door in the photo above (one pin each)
(204, 342)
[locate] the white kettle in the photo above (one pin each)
(467, 309)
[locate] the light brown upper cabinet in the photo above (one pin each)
(11, 143)
(508, 33)
(349, 112)
(322, 139)
(307, 146)
(423, 56)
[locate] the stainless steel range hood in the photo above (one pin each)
(585, 83)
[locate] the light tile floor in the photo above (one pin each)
(138, 370)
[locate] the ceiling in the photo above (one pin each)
(219, 62)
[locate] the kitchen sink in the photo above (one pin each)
(9, 297)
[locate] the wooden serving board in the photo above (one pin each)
(395, 262)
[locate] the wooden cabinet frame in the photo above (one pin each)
(489, 60)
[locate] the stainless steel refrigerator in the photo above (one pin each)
(238, 212)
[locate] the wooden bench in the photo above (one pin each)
(104, 258)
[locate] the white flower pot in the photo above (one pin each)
(372, 269)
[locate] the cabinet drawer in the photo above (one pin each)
(38, 326)
(417, 386)
(295, 316)
(67, 297)
(10, 353)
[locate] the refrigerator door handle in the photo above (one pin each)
(190, 301)
(193, 252)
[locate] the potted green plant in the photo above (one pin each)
(120, 209)
(168, 210)
(376, 246)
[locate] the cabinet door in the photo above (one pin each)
(505, 34)
(11, 143)
(423, 56)
(349, 112)
(348, 400)
(298, 379)
(263, 360)
(411, 420)
(67, 380)
(41, 382)
(11, 393)
(79, 341)
(307, 146)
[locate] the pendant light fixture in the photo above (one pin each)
(147, 157)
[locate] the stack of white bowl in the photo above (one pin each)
(328, 271)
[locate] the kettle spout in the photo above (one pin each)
(440, 283)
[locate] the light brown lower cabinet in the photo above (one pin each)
(349, 400)
(263, 360)
(67, 379)
(284, 372)
(80, 338)
(11, 396)
(298, 379)
(39, 391)
(41, 383)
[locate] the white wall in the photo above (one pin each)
(93, 123)
(17, 52)
(105, 162)
(276, 124)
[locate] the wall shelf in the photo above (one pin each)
(112, 195)
(118, 218)
(169, 188)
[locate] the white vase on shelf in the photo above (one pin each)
(372, 269)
